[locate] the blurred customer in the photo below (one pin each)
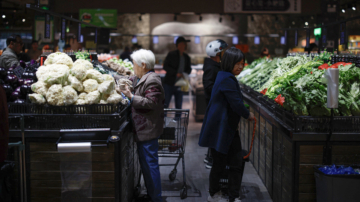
(147, 107)
(220, 128)
(34, 53)
(9, 57)
(211, 68)
(176, 63)
(265, 53)
(126, 54)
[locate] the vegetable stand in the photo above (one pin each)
(286, 146)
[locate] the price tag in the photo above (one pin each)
(63, 29)
(79, 33)
(308, 38)
(47, 26)
(18, 71)
(342, 33)
(296, 37)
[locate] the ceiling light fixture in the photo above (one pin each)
(354, 8)
(306, 23)
(343, 10)
(23, 20)
(3, 16)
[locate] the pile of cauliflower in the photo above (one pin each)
(62, 82)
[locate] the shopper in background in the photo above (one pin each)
(9, 57)
(176, 63)
(34, 53)
(265, 53)
(211, 68)
(219, 130)
(147, 107)
(126, 54)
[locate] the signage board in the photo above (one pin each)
(106, 18)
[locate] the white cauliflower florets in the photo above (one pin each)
(93, 74)
(108, 77)
(90, 85)
(59, 58)
(93, 97)
(58, 74)
(82, 96)
(86, 63)
(114, 98)
(70, 95)
(79, 71)
(37, 98)
(75, 83)
(40, 88)
(42, 73)
(55, 96)
(103, 102)
(106, 87)
(80, 102)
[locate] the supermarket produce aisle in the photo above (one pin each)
(197, 176)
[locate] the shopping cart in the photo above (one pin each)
(173, 141)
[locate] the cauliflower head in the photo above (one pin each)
(79, 71)
(106, 87)
(93, 74)
(59, 58)
(107, 77)
(55, 96)
(90, 85)
(37, 98)
(103, 102)
(58, 74)
(82, 96)
(80, 102)
(39, 87)
(42, 73)
(70, 95)
(114, 98)
(85, 63)
(75, 83)
(93, 97)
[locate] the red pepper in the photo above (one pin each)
(280, 100)
(246, 64)
(323, 66)
(263, 91)
(338, 64)
(311, 72)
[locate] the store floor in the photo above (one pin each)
(197, 176)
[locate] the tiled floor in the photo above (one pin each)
(197, 176)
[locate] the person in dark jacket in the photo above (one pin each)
(126, 54)
(211, 68)
(176, 63)
(219, 130)
(9, 57)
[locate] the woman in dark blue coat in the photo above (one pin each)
(219, 130)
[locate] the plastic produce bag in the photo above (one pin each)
(332, 77)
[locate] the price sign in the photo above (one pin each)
(79, 32)
(47, 26)
(342, 33)
(96, 35)
(308, 38)
(296, 37)
(286, 36)
(324, 37)
(63, 29)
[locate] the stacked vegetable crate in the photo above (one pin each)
(288, 146)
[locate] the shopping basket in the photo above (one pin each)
(224, 178)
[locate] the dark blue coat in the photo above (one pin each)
(223, 113)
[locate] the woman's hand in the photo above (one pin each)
(127, 92)
(251, 117)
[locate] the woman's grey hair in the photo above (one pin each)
(144, 56)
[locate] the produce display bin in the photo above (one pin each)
(332, 188)
(286, 147)
(108, 170)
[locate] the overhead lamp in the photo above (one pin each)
(354, 8)
(3, 16)
(134, 40)
(343, 10)
(257, 40)
(306, 23)
(23, 20)
(235, 40)
(197, 39)
(175, 17)
(155, 39)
